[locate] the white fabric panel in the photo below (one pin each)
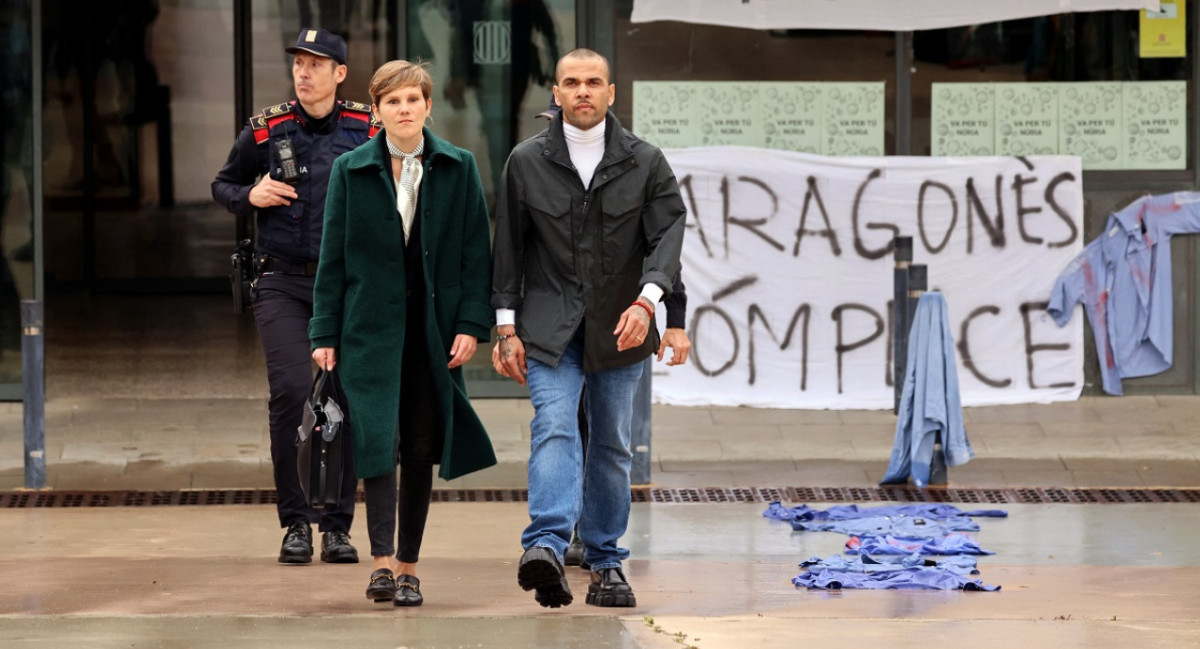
(885, 15)
(788, 269)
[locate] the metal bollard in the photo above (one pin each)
(902, 252)
(33, 376)
(918, 283)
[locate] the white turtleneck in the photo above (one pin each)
(586, 149)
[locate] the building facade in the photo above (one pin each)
(120, 113)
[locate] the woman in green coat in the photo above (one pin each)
(400, 303)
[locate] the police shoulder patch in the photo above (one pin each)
(271, 116)
(278, 109)
(258, 124)
(356, 106)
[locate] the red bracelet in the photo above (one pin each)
(648, 310)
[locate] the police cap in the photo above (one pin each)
(321, 42)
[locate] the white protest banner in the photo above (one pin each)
(883, 15)
(788, 266)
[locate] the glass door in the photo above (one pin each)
(493, 67)
(19, 279)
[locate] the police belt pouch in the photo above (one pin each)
(320, 443)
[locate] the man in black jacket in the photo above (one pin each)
(279, 168)
(589, 226)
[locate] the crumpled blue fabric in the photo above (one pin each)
(889, 544)
(908, 526)
(926, 577)
(777, 511)
(958, 563)
(930, 401)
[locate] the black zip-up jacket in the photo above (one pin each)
(566, 256)
(290, 232)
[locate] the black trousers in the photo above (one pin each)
(419, 441)
(282, 307)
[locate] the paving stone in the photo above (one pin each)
(709, 450)
(504, 475)
(778, 417)
(732, 466)
(813, 473)
(1114, 479)
(1016, 478)
(873, 417)
(227, 476)
(675, 479)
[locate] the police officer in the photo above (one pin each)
(279, 167)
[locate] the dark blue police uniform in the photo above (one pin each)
(286, 248)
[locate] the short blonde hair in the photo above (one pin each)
(399, 74)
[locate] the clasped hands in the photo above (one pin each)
(508, 355)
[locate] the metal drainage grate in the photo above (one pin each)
(1035, 496)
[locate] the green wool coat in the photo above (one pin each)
(359, 298)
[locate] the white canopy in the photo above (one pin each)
(884, 15)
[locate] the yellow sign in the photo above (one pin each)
(1164, 32)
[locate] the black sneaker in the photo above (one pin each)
(297, 544)
(336, 548)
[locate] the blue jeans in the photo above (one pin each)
(563, 487)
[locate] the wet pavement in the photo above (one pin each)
(706, 575)
(129, 409)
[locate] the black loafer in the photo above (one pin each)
(297, 543)
(382, 586)
(609, 588)
(541, 572)
(408, 591)
(336, 548)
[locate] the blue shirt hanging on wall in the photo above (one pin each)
(1123, 280)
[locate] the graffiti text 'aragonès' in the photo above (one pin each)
(945, 214)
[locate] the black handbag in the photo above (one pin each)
(321, 442)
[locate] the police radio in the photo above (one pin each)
(289, 171)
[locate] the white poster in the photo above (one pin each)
(788, 266)
(884, 15)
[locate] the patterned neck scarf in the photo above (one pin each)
(410, 178)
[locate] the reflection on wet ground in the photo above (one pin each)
(706, 575)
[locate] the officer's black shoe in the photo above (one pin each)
(297, 543)
(336, 548)
(541, 572)
(609, 588)
(574, 554)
